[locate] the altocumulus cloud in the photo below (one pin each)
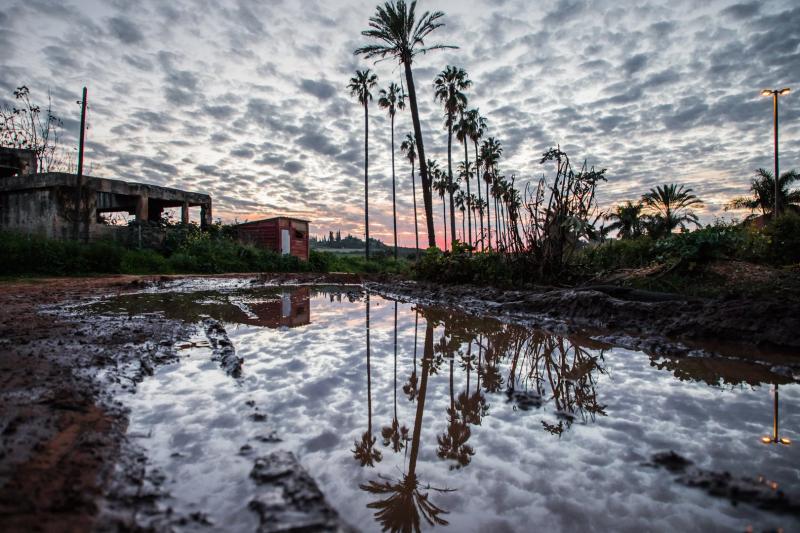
(232, 99)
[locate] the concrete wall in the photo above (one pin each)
(37, 211)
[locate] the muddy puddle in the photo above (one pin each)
(424, 417)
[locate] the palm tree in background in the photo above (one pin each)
(627, 219)
(448, 90)
(392, 99)
(408, 147)
(440, 186)
(360, 86)
(762, 188)
(491, 150)
(461, 204)
(477, 129)
(669, 206)
(402, 37)
(464, 130)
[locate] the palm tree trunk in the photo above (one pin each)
(423, 168)
(488, 215)
(450, 180)
(416, 226)
(478, 182)
(366, 177)
(444, 222)
(463, 228)
(469, 215)
(394, 203)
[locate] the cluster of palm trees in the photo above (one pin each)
(658, 213)
(762, 193)
(402, 35)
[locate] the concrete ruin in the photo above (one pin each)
(60, 206)
(53, 205)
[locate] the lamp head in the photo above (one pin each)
(766, 440)
(766, 92)
(785, 90)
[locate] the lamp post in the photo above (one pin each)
(775, 93)
(775, 438)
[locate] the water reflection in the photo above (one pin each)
(775, 438)
(365, 452)
(404, 501)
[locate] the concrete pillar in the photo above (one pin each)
(141, 208)
(185, 213)
(205, 215)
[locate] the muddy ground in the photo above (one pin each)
(66, 464)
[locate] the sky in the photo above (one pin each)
(247, 100)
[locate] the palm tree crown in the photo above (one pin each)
(448, 87)
(392, 99)
(669, 205)
(627, 220)
(762, 188)
(360, 85)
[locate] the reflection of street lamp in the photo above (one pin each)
(774, 439)
(774, 94)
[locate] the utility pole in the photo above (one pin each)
(775, 94)
(79, 177)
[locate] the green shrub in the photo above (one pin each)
(783, 239)
(144, 262)
(614, 254)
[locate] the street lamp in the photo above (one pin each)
(774, 94)
(774, 438)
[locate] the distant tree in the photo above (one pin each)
(628, 220)
(360, 86)
(402, 37)
(669, 208)
(408, 147)
(477, 127)
(392, 99)
(762, 189)
(440, 186)
(449, 87)
(29, 127)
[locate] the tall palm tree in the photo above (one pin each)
(491, 150)
(762, 188)
(392, 99)
(402, 37)
(477, 129)
(669, 205)
(461, 204)
(627, 219)
(440, 186)
(448, 90)
(360, 86)
(408, 147)
(464, 130)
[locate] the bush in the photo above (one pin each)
(783, 239)
(144, 262)
(625, 253)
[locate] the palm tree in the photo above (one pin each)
(448, 87)
(477, 129)
(392, 99)
(466, 173)
(464, 131)
(491, 150)
(669, 205)
(627, 219)
(408, 147)
(402, 37)
(360, 86)
(440, 186)
(762, 188)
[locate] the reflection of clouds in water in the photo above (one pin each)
(311, 382)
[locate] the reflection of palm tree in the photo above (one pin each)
(395, 434)
(405, 503)
(410, 388)
(453, 442)
(365, 452)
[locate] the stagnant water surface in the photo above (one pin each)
(503, 428)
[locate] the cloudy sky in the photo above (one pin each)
(247, 99)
